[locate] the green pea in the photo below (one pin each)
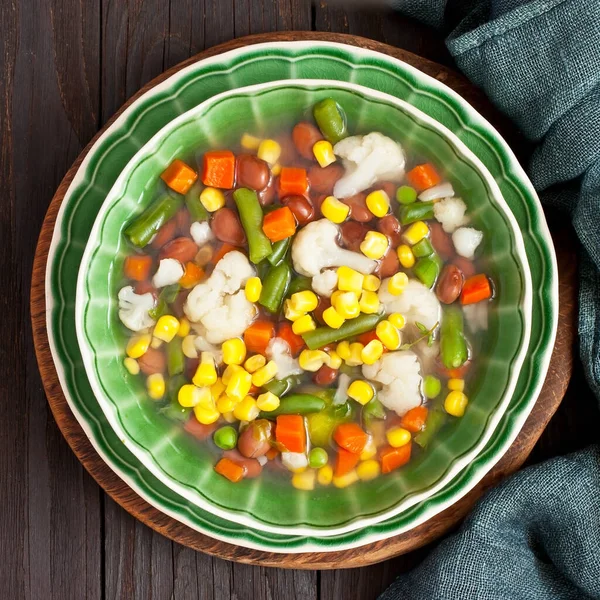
(225, 437)
(432, 386)
(317, 458)
(406, 195)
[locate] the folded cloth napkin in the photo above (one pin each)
(537, 535)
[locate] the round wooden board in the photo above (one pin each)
(549, 400)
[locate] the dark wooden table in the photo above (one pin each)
(66, 66)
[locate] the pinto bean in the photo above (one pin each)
(325, 375)
(165, 234)
(465, 265)
(183, 222)
(145, 287)
(440, 240)
(226, 226)
(254, 441)
(302, 208)
(305, 136)
(252, 172)
(182, 249)
(449, 284)
(251, 466)
(268, 195)
(353, 234)
(323, 180)
(198, 430)
(153, 361)
(388, 265)
(389, 187)
(391, 227)
(322, 306)
(358, 208)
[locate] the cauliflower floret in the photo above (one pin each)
(294, 460)
(476, 316)
(417, 303)
(324, 283)
(219, 304)
(315, 248)
(466, 240)
(443, 190)
(169, 272)
(450, 212)
(279, 352)
(133, 309)
(341, 394)
(201, 232)
(399, 373)
(368, 159)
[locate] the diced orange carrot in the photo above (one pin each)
(279, 224)
(272, 453)
(221, 252)
(193, 274)
(476, 289)
(459, 372)
(414, 419)
(290, 432)
(350, 437)
(393, 458)
(367, 336)
(219, 169)
(179, 176)
(423, 177)
(137, 267)
(293, 181)
(258, 336)
(345, 461)
(295, 342)
(230, 470)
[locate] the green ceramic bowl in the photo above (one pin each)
(186, 467)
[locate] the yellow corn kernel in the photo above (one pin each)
(212, 199)
(406, 256)
(343, 350)
(156, 343)
(398, 436)
(416, 232)
(372, 352)
(397, 320)
(312, 360)
(234, 351)
(276, 169)
(325, 475)
(269, 151)
(335, 361)
(350, 280)
(369, 302)
(246, 409)
(355, 358)
(138, 345)
(188, 346)
(206, 416)
(333, 318)
(155, 384)
(253, 289)
(184, 328)
(371, 283)
(267, 401)
(264, 374)
(166, 328)
(305, 480)
(323, 152)
(304, 301)
(346, 304)
(225, 404)
(290, 313)
(229, 372)
(361, 391)
(254, 363)
(455, 404)
(229, 417)
(456, 385)
(374, 245)
(131, 365)
(334, 210)
(250, 142)
(378, 202)
(188, 395)
(345, 480)
(397, 283)
(206, 373)
(369, 451)
(368, 469)
(239, 385)
(217, 389)
(388, 334)
(303, 325)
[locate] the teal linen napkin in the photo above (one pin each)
(537, 536)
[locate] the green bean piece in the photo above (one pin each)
(322, 336)
(435, 420)
(427, 270)
(280, 387)
(275, 285)
(251, 216)
(280, 249)
(373, 410)
(173, 410)
(453, 345)
(295, 404)
(299, 284)
(432, 387)
(194, 206)
(175, 358)
(419, 211)
(145, 227)
(406, 194)
(423, 248)
(331, 120)
(166, 297)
